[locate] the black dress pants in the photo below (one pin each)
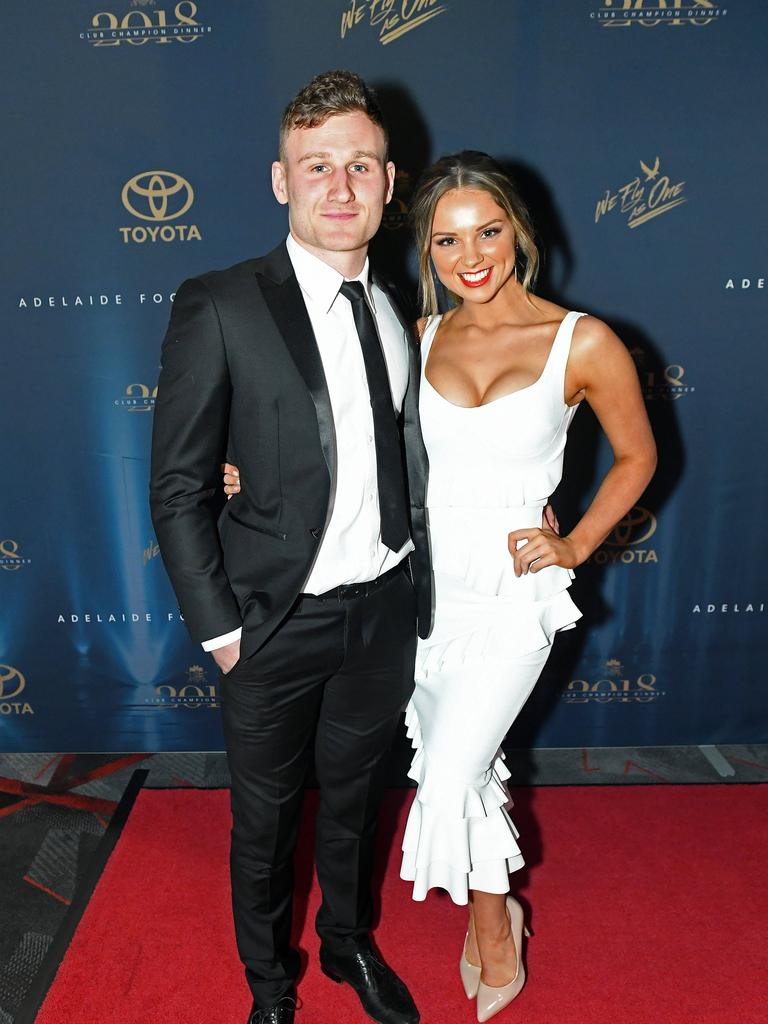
(332, 682)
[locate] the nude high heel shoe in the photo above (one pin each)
(470, 975)
(491, 999)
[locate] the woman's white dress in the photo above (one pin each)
(492, 469)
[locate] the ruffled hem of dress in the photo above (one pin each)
(427, 871)
(447, 796)
(458, 836)
(516, 630)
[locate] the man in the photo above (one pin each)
(299, 367)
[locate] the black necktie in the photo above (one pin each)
(389, 460)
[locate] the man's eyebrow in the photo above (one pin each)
(314, 156)
(358, 155)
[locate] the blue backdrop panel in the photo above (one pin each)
(137, 152)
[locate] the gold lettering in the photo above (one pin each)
(650, 13)
(187, 19)
(646, 688)
(410, 7)
(604, 205)
(603, 691)
(392, 18)
(381, 11)
(163, 26)
(145, 22)
(674, 373)
(137, 27)
(189, 687)
(389, 34)
(111, 24)
(352, 16)
(576, 687)
(152, 550)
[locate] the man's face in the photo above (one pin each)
(336, 184)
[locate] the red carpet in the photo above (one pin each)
(649, 907)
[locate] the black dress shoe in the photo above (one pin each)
(281, 1013)
(383, 995)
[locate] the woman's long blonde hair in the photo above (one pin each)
(475, 170)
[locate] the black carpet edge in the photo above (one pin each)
(52, 961)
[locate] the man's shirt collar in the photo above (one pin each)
(319, 280)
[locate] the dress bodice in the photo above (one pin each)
(507, 453)
(492, 469)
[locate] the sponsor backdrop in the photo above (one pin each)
(137, 149)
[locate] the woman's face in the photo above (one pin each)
(472, 244)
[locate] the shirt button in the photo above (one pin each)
(370, 439)
(370, 497)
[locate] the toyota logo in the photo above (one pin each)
(157, 195)
(12, 682)
(637, 526)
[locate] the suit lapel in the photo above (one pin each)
(414, 364)
(417, 465)
(285, 302)
(415, 452)
(394, 299)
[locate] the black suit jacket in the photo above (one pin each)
(242, 379)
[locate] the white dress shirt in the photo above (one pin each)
(350, 549)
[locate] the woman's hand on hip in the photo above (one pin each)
(535, 549)
(550, 520)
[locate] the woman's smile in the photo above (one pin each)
(476, 278)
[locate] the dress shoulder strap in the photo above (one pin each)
(427, 337)
(561, 347)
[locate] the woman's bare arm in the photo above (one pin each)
(600, 371)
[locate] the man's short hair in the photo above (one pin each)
(332, 92)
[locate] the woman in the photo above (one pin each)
(502, 375)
